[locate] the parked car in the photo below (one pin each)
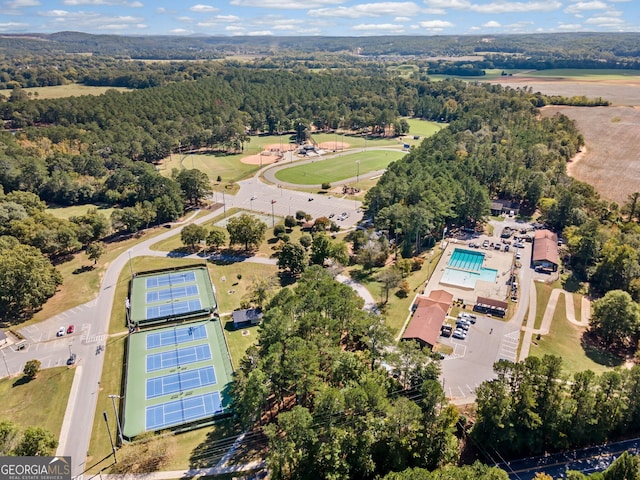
(518, 245)
(459, 334)
(72, 359)
(70, 329)
(60, 332)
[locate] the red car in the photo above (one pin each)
(70, 329)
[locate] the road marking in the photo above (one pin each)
(93, 338)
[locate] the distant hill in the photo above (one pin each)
(603, 47)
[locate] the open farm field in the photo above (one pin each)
(611, 162)
(620, 88)
(338, 168)
(61, 91)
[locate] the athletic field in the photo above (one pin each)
(176, 377)
(171, 294)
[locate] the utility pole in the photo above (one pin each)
(113, 447)
(273, 218)
(130, 264)
(4, 357)
(224, 205)
(115, 412)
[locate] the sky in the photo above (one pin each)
(318, 17)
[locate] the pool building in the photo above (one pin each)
(465, 268)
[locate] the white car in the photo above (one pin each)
(459, 334)
(60, 332)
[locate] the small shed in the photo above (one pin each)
(491, 306)
(545, 250)
(247, 317)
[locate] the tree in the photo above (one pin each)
(615, 317)
(389, 278)
(193, 234)
(290, 221)
(36, 441)
(31, 369)
(321, 224)
(625, 467)
(8, 437)
(216, 239)
(94, 251)
(27, 280)
(305, 240)
(246, 229)
(292, 257)
(195, 185)
(320, 248)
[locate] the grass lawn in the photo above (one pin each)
(61, 91)
(338, 168)
(565, 340)
(76, 210)
(228, 167)
(421, 128)
(397, 309)
(40, 402)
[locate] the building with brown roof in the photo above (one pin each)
(428, 316)
(545, 250)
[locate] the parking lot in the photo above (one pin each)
(472, 359)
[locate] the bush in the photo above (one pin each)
(416, 263)
(300, 215)
(290, 221)
(326, 186)
(403, 289)
(305, 240)
(279, 230)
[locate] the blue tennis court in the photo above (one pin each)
(176, 336)
(170, 279)
(175, 308)
(180, 382)
(171, 293)
(181, 356)
(182, 411)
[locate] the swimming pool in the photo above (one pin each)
(465, 268)
(466, 260)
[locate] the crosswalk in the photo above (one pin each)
(509, 346)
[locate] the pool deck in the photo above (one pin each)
(500, 261)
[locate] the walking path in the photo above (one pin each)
(545, 326)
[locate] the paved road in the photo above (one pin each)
(587, 460)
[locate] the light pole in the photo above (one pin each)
(251, 203)
(357, 172)
(224, 205)
(130, 265)
(273, 218)
(4, 357)
(115, 412)
(113, 447)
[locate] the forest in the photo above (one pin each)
(313, 386)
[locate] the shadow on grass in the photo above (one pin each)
(598, 352)
(571, 284)
(83, 269)
(23, 380)
(104, 467)
(215, 445)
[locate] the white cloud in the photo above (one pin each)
(260, 33)
(228, 18)
(569, 27)
(234, 28)
(444, 4)
(184, 18)
(125, 3)
(516, 7)
(22, 3)
(180, 31)
(491, 24)
(579, 7)
(367, 10)
(387, 27)
(402, 19)
(605, 22)
(285, 27)
(11, 26)
(200, 8)
(435, 24)
(285, 4)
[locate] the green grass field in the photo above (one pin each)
(77, 210)
(61, 91)
(564, 340)
(40, 402)
(338, 168)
